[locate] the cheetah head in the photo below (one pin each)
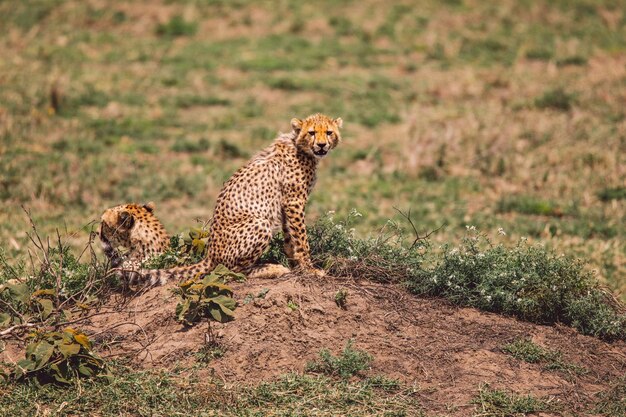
(317, 134)
(117, 223)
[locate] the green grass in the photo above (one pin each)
(348, 363)
(177, 26)
(183, 392)
(498, 403)
(615, 193)
(529, 205)
(138, 96)
(527, 351)
(557, 99)
(612, 402)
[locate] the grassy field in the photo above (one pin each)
(497, 116)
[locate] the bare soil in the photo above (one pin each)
(445, 352)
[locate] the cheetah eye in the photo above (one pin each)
(312, 132)
(329, 133)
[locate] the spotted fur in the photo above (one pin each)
(268, 194)
(136, 230)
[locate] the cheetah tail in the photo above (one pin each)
(153, 277)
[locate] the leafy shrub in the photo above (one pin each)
(185, 249)
(527, 282)
(335, 248)
(60, 357)
(207, 297)
(61, 281)
(348, 363)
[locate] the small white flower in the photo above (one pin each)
(501, 231)
(488, 298)
(470, 227)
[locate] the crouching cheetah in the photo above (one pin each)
(134, 228)
(267, 194)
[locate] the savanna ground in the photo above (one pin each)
(495, 115)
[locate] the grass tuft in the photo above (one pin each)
(557, 99)
(497, 403)
(612, 402)
(529, 205)
(527, 351)
(177, 26)
(615, 193)
(347, 364)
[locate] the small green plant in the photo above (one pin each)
(177, 26)
(206, 298)
(185, 249)
(557, 99)
(293, 306)
(250, 297)
(612, 402)
(527, 351)
(384, 383)
(349, 363)
(60, 357)
(498, 403)
(208, 352)
(341, 298)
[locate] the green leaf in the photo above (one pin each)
(60, 373)
(26, 364)
(68, 350)
(46, 308)
(85, 371)
(18, 291)
(225, 301)
(5, 319)
(216, 314)
(42, 354)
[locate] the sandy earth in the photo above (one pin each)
(445, 352)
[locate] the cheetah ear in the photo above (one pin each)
(339, 122)
(296, 125)
(126, 220)
(150, 206)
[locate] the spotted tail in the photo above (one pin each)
(150, 277)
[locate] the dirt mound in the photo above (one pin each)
(444, 351)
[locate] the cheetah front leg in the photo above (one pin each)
(296, 243)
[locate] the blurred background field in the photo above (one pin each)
(505, 114)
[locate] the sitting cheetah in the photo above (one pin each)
(268, 193)
(135, 228)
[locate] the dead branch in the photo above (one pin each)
(407, 216)
(16, 327)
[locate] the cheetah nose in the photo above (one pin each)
(323, 146)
